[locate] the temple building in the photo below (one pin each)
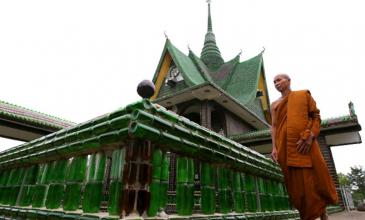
(231, 98)
(195, 147)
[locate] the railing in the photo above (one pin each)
(139, 161)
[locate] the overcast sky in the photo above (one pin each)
(80, 59)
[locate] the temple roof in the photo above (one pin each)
(23, 124)
(188, 69)
(237, 80)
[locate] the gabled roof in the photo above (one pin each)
(26, 116)
(189, 71)
(242, 82)
(237, 80)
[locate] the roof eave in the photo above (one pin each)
(210, 91)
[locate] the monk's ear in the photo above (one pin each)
(309, 92)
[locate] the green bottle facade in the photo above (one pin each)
(74, 182)
(116, 185)
(184, 186)
(93, 189)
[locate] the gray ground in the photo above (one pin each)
(353, 215)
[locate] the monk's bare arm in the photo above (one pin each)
(273, 131)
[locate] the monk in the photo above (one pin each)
(295, 127)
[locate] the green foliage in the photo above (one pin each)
(357, 182)
(343, 179)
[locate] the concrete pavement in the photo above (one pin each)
(352, 215)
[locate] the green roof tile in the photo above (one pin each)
(189, 71)
(242, 84)
(31, 117)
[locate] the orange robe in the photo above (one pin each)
(309, 184)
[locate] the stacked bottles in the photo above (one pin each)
(207, 188)
(251, 193)
(26, 192)
(11, 182)
(4, 176)
(286, 203)
(184, 186)
(270, 194)
(262, 194)
(224, 189)
(14, 183)
(41, 187)
(266, 194)
(115, 188)
(94, 185)
(159, 185)
(74, 182)
(56, 179)
(276, 197)
(238, 192)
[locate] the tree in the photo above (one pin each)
(357, 182)
(343, 179)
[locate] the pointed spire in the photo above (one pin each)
(210, 28)
(210, 54)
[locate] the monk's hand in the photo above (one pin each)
(274, 155)
(308, 144)
(300, 146)
(304, 144)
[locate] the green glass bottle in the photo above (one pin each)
(207, 181)
(39, 195)
(93, 188)
(115, 189)
(237, 193)
(155, 198)
(163, 193)
(251, 201)
(72, 196)
(204, 194)
(180, 198)
(74, 179)
(189, 203)
(165, 168)
(25, 196)
(56, 188)
(55, 195)
(40, 189)
(156, 164)
(92, 197)
(181, 170)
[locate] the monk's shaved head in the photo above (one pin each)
(283, 75)
(282, 83)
